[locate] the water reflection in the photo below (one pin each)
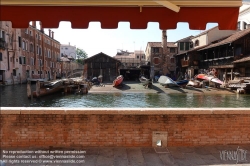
(15, 96)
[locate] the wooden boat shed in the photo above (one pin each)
(101, 64)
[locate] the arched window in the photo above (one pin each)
(31, 47)
(191, 44)
(26, 46)
(196, 43)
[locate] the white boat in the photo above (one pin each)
(145, 81)
(194, 83)
(166, 81)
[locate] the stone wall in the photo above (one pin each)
(60, 127)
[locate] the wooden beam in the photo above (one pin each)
(168, 4)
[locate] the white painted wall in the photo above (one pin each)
(244, 15)
(216, 34)
(68, 50)
(202, 40)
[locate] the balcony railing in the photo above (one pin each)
(184, 63)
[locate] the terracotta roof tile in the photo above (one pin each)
(242, 60)
(139, 52)
(185, 39)
(193, 49)
(159, 44)
(202, 33)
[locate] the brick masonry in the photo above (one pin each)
(81, 130)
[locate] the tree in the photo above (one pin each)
(81, 55)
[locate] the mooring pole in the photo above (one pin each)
(28, 89)
(37, 88)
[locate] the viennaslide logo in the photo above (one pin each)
(238, 155)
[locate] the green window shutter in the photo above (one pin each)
(181, 46)
(187, 46)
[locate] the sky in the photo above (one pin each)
(95, 40)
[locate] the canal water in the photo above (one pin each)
(16, 96)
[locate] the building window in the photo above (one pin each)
(138, 57)
(40, 50)
(14, 72)
(39, 37)
(40, 62)
(238, 25)
(26, 46)
(32, 72)
(30, 33)
(66, 48)
(186, 46)
(19, 41)
(244, 25)
(196, 43)
(22, 60)
(36, 36)
(181, 46)
(37, 50)
(31, 47)
(172, 60)
(27, 31)
(2, 35)
(191, 44)
(1, 56)
(49, 56)
(172, 50)
(23, 45)
(32, 61)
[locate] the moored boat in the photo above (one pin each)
(217, 80)
(118, 80)
(182, 82)
(166, 81)
(209, 78)
(201, 77)
(46, 88)
(194, 83)
(145, 81)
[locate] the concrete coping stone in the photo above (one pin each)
(122, 111)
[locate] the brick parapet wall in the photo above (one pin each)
(68, 127)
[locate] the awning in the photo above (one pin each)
(110, 13)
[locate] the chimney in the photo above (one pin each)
(49, 33)
(34, 24)
(69, 43)
(164, 42)
(41, 27)
(52, 35)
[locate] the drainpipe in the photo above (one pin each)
(8, 56)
